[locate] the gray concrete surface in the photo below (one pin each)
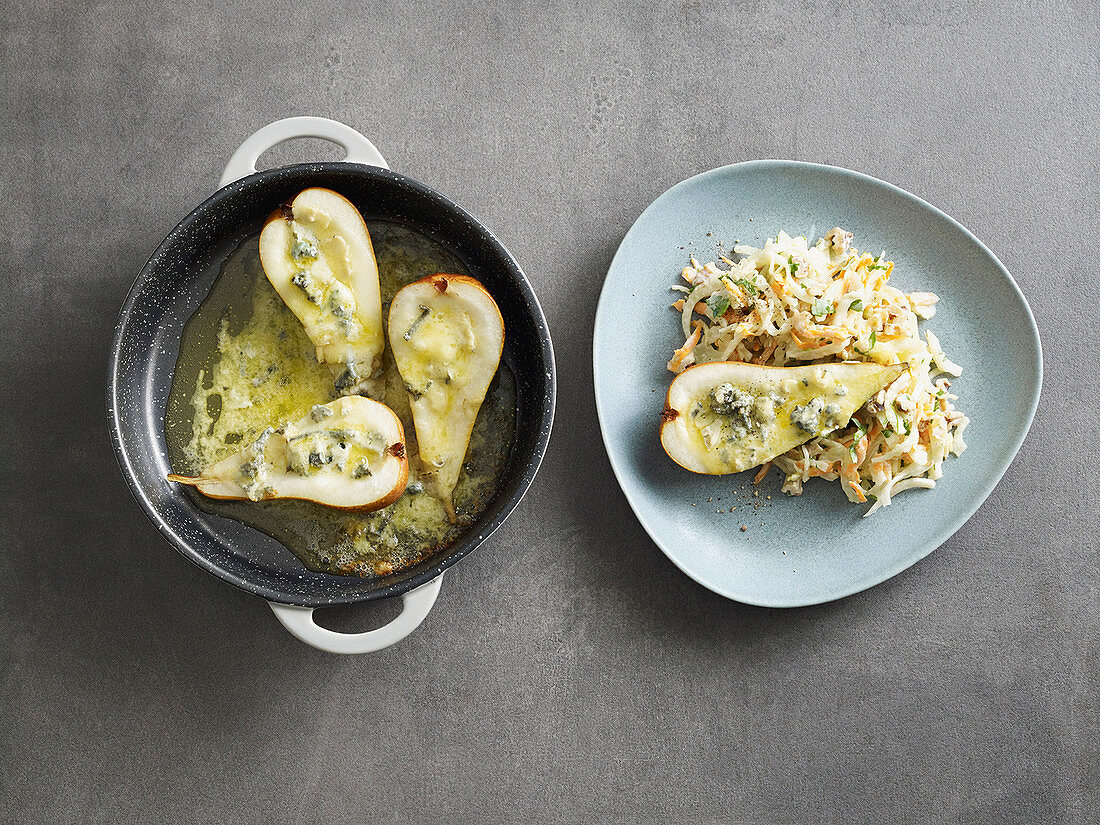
(569, 672)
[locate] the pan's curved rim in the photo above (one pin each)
(467, 542)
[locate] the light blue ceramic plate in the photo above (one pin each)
(816, 547)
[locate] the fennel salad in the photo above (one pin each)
(792, 304)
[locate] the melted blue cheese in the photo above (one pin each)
(316, 450)
(443, 345)
(807, 417)
(819, 415)
(271, 365)
(303, 248)
(336, 316)
(728, 414)
(307, 452)
(256, 471)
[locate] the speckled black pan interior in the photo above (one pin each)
(172, 285)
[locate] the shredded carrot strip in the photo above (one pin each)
(678, 358)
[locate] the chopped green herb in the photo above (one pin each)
(792, 263)
(876, 266)
(718, 305)
(821, 308)
(872, 340)
(856, 305)
(748, 287)
(860, 432)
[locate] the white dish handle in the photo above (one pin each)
(358, 148)
(416, 604)
(415, 607)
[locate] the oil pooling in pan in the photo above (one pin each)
(245, 362)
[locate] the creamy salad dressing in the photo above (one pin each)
(246, 364)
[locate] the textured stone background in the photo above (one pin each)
(569, 672)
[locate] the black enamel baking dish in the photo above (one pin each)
(172, 285)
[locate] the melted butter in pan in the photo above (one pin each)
(246, 362)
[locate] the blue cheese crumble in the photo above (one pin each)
(728, 414)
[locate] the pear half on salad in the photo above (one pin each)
(726, 417)
(348, 454)
(446, 334)
(316, 252)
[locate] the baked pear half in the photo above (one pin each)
(446, 335)
(348, 454)
(725, 417)
(316, 252)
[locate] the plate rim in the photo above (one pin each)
(940, 536)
